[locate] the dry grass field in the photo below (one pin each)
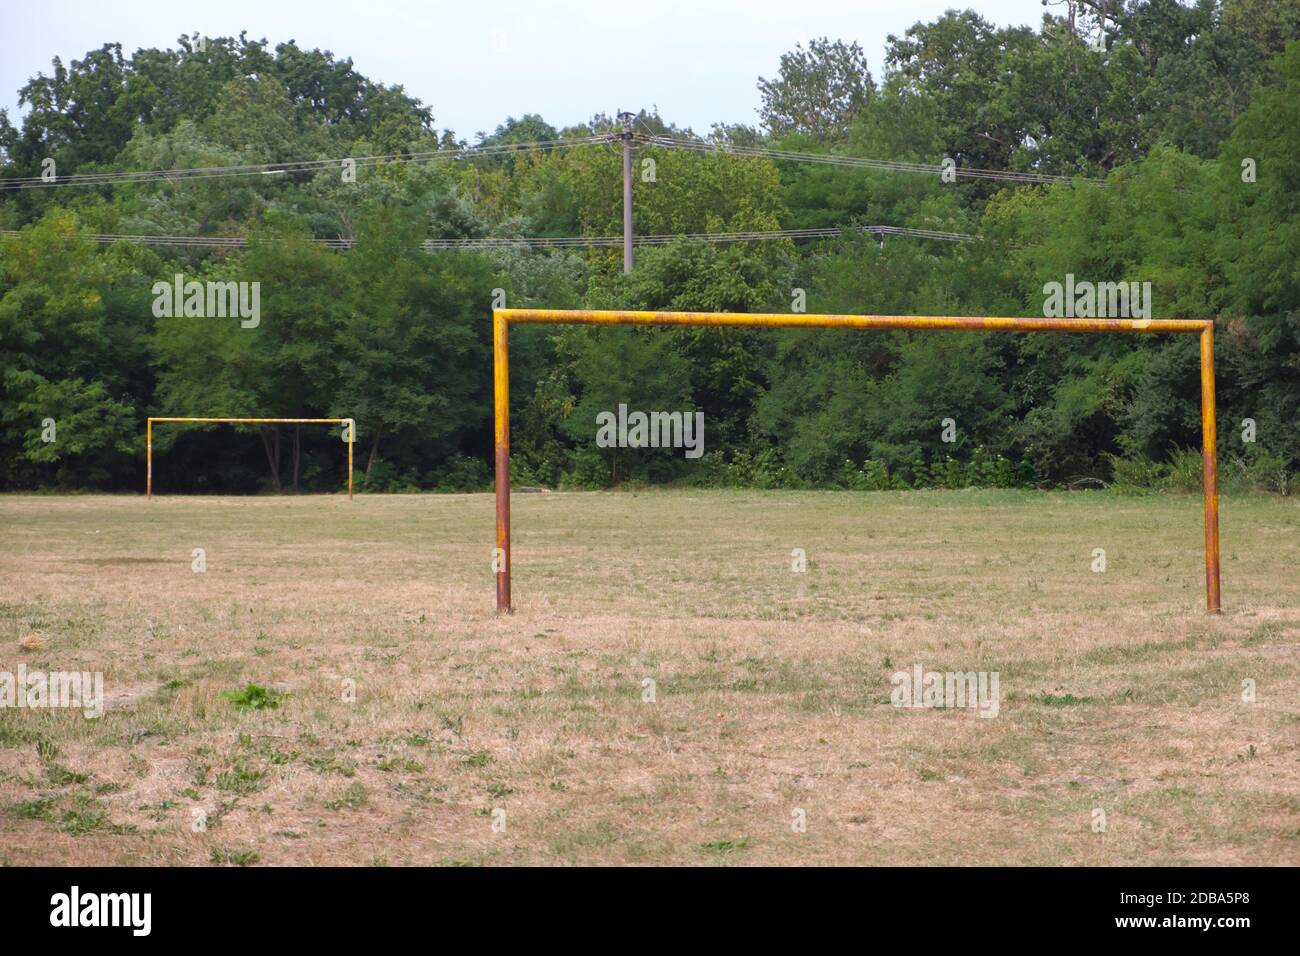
(527, 739)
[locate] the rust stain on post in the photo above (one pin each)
(352, 436)
(1210, 468)
(501, 382)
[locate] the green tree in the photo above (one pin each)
(411, 353)
(817, 92)
(73, 327)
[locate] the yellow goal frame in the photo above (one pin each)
(148, 438)
(501, 319)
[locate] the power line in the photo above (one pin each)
(308, 165)
(757, 235)
(607, 139)
(506, 149)
(699, 146)
(549, 242)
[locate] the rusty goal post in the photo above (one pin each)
(148, 438)
(502, 318)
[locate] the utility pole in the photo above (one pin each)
(627, 190)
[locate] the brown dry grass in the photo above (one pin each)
(772, 688)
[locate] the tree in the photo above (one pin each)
(72, 424)
(1258, 194)
(723, 368)
(959, 61)
(410, 353)
(817, 92)
(282, 367)
(73, 327)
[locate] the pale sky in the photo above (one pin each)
(475, 62)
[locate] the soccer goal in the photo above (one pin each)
(349, 438)
(501, 319)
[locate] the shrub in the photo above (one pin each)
(1185, 471)
(1135, 474)
(463, 473)
(590, 470)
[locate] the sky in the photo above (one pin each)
(476, 62)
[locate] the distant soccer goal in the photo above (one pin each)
(501, 319)
(349, 438)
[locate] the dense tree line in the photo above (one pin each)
(1190, 113)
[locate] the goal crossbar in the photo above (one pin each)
(148, 437)
(502, 318)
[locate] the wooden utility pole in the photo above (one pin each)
(627, 190)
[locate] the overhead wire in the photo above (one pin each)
(547, 242)
(834, 159)
(606, 139)
(272, 169)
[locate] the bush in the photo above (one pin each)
(762, 469)
(590, 471)
(995, 471)
(1259, 470)
(710, 471)
(873, 475)
(1186, 471)
(759, 466)
(1256, 470)
(463, 473)
(387, 478)
(1135, 474)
